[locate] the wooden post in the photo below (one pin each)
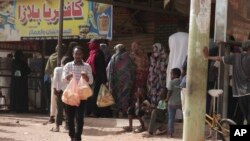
(194, 113)
(60, 35)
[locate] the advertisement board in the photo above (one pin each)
(39, 19)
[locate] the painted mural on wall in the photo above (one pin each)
(239, 19)
(7, 21)
(39, 19)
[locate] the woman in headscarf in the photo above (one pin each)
(139, 87)
(157, 73)
(105, 49)
(19, 83)
(140, 60)
(121, 71)
(142, 64)
(96, 60)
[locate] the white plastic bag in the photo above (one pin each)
(104, 98)
(70, 95)
(83, 89)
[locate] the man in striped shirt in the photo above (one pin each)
(79, 69)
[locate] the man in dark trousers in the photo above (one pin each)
(79, 69)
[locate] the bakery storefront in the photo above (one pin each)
(33, 27)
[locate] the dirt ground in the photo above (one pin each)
(31, 127)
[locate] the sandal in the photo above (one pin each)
(160, 132)
(127, 129)
(147, 135)
(54, 129)
(139, 130)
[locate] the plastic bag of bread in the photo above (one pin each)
(70, 95)
(83, 89)
(72, 99)
(104, 97)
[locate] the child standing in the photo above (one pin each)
(173, 99)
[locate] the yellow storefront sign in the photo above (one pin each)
(40, 19)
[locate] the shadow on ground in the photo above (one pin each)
(8, 139)
(16, 124)
(101, 122)
(5, 131)
(38, 118)
(98, 132)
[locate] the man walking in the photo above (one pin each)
(77, 68)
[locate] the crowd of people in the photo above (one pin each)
(137, 83)
(136, 80)
(144, 86)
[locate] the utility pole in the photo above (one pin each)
(60, 35)
(220, 30)
(195, 98)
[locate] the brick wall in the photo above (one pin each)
(146, 41)
(156, 27)
(162, 33)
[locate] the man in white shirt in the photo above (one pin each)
(79, 69)
(178, 47)
(49, 69)
(58, 87)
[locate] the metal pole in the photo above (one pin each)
(60, 35)
(220, 79)
(226, 84)
(195, 101)
(220, 35)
